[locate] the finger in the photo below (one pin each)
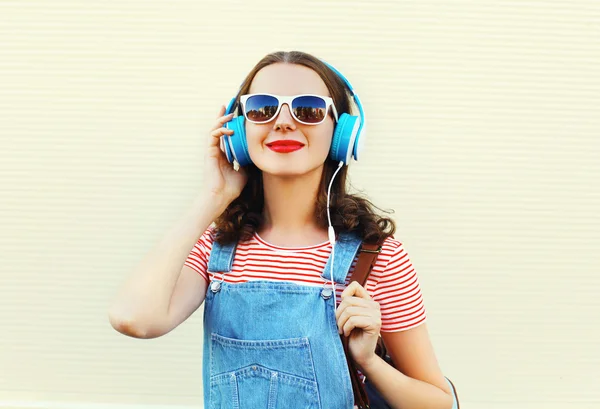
(350, 312)
(221, 111)
(362, 322)
(350, 301)
(357, 290)
(216, 138)
(217, 133)
(222, 120)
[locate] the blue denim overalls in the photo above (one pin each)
(275, 345)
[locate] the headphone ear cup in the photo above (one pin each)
(227, 148)
(344, 136)
(358, 145)
(236, 146)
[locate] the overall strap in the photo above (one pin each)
(346, 247)
(221, 257)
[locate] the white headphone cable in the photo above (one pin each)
(331, 234)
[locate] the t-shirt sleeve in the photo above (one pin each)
(399, 294)
(198, 257)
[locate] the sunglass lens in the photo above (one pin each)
(261, 108)
(309, 109)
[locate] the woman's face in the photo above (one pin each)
(287, 80)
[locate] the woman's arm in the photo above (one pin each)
(417, 382)
(161, 292)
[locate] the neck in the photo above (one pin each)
(290, 203)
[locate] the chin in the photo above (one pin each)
(289, 169)
(289, 165)
(285, 171)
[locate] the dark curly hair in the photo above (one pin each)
(349, 212)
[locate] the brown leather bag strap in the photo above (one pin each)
(361, 399)
(367, 258)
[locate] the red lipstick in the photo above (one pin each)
(285, 146)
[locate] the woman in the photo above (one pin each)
(272, 318)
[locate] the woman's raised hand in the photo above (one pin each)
(222, 182)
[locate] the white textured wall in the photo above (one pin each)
(484, 121)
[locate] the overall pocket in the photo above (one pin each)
(265, 374)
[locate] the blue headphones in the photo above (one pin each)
(346, 142)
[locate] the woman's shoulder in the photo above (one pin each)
(207, 238)
(389, 246)
(391, 243)
(392, 250)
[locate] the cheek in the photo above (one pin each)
(325, 143)
(254, 136)
(322, 139)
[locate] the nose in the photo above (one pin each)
(284, 119)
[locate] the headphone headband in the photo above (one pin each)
(363, 119)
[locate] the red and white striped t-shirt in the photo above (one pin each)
(393, 282)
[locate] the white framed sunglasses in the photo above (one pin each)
(308, 109)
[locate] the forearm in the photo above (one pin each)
(145, 296)
(403, 392)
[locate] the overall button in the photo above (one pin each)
(254, 367)
(215, 286)
(326, 293)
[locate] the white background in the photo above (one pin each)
(483, 136)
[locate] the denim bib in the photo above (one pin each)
(275, 345)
